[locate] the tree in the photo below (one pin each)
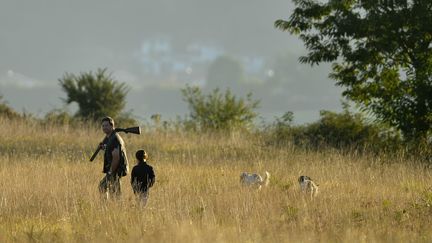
(219, 111)
(224, 72)
(381, 53)
(97, 94)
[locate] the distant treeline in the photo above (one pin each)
(344, 131)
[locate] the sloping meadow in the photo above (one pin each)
(48, 191)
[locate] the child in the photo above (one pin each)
(142, 177)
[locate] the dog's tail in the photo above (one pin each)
(267, 178)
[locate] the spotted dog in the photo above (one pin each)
(308, 186)
(253, 179)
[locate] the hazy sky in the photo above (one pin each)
(41, 40)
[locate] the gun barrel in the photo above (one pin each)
(134, 130)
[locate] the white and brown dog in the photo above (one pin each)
(308, 186)
(252, 179)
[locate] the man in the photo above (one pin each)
(115, 159)
(142, 177)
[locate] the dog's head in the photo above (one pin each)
(243, 176)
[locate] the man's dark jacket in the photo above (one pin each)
(112, 142)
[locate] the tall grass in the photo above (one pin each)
(48, 191)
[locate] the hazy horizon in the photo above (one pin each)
(157, 48)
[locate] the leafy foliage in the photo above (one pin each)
(58, 117)
(341, 130)
(7, 111)
(345, 130)
(219, 111)
(381, 53)
(97, 94)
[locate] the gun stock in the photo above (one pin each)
(95, 153)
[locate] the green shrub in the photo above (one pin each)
(6, 111)
(345, 130)
(219, 111)
(58, 116)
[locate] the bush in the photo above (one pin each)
(6, 111)
(218, 111)
(344, 130)
(58, 117)
(341, 130)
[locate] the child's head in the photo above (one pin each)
(141, 155)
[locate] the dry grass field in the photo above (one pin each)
(48, 191)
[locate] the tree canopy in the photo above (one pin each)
(219, 111)
(381, 53)
(97, 94)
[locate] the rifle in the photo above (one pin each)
(134, 130)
